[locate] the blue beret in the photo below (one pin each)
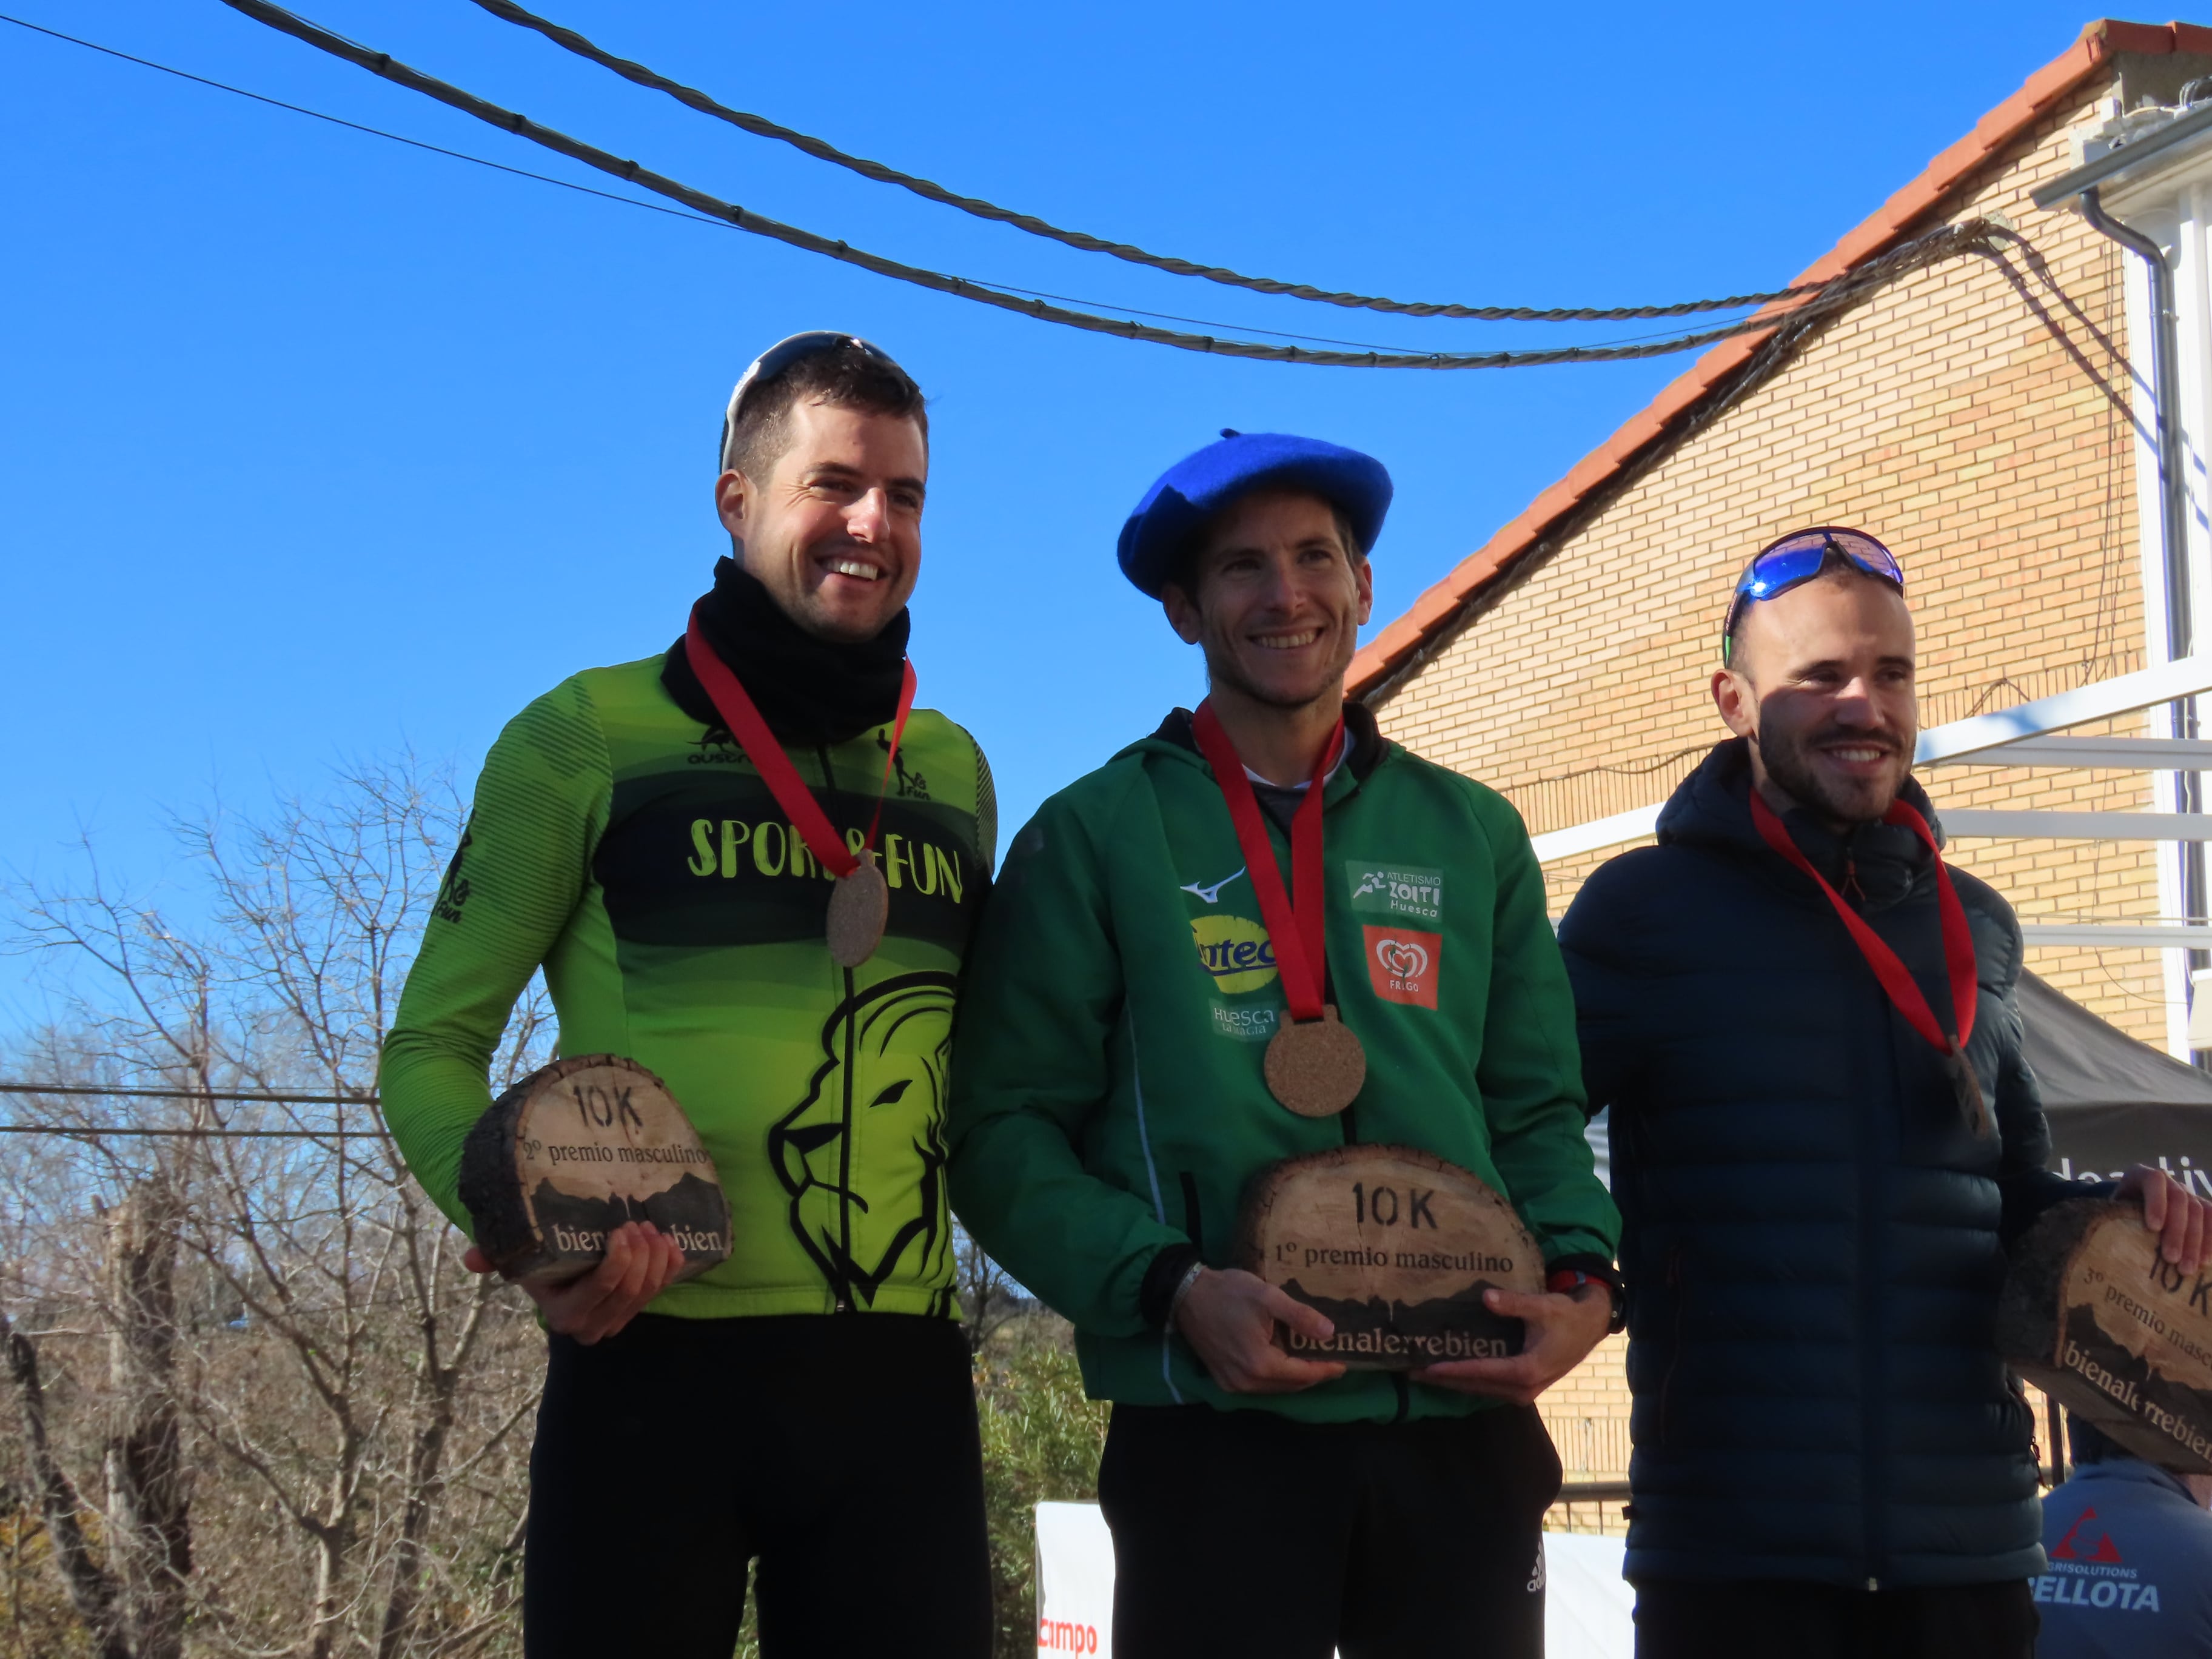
(1196, 487)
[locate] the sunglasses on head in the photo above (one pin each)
(1795, 559)
(781, 355)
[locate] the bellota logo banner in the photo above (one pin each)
(1402, 964)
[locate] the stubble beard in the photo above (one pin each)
(1793, 773)
(1224, 669)
(806, 606)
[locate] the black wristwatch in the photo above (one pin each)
(1565, 1281)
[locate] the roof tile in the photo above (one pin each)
(1436, 606)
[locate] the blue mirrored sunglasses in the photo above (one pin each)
(1795, 559)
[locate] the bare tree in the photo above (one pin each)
(92, 1588)
(989, 1299)
(148, 1487)
(346, 1370)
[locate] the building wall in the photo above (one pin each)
(1978, 419)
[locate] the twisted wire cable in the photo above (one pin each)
(1972, 235)
(570, 40)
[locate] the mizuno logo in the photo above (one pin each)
(1213, 895)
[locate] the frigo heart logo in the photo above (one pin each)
(1401, 958)
(1403, 964)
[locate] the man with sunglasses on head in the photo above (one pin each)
(750, 864)
(1824, 1135)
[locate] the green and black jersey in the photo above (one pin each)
(639, 856)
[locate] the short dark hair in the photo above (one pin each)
(1182, 569)
(2089, 1443)
(844, 377)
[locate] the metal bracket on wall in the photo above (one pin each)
(1982, 739)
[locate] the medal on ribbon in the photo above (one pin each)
(1897, 981)
(860, 902)
(1313, 1063)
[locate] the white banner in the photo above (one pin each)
(1586, 1603)
(1074, 1580)
(1589, 1608)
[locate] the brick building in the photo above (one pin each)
(1990, 416)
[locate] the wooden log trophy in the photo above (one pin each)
(573, 1151)
(1396, 1247)
(2093, 1315)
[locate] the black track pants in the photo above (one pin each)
(1677, 1619)
(840, 1449)
(1243, 1533)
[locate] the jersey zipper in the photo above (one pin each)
(845, 1160)
(843, 1287)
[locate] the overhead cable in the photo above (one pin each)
(97, 1129)
(191, 1132)
(761, 126)
(680, 213)
(355, 127)
(688, 216)
(257, 1097)
(1830, 296)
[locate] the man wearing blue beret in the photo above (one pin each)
(1274, 936)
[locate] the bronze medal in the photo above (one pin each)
(860, 909)
(1314, 1067)
(1896, 980)
(1968, 1088)
(860, 901)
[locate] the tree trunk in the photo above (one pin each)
(92, 1588)
(334, 1541)
(148, 1487)
(424, 1480)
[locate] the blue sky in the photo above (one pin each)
(314, 445)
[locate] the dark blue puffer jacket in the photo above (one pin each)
(1813, 1233)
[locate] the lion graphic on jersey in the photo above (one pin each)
(880, 1086)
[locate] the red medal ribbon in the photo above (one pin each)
(790, 790)
(1297, 933)
(1896, 980)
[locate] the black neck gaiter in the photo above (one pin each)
(808, 689)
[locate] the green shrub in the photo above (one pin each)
(1041, 1444)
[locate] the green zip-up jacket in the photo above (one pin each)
(1107, 1101)
(639, 857)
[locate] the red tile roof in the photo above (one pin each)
(2053, 82)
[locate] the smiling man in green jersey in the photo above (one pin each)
(1112, 1104)
(808, 1400)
